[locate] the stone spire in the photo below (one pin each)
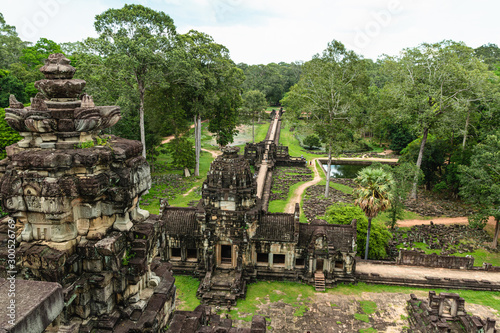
(59, 115)
(63, 182)
(230, 184)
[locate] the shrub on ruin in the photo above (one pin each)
(340, 213)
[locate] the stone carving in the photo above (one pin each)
(14, 103)
(58, 109)
(77, 213)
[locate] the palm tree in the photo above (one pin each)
(372, 195)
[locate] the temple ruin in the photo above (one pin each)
(229, 238)
(74, 197)
(445, 313)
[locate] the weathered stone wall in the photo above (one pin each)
(444, 313)
(429, 282)
(202, 320)
(75, 199)
(419, 258)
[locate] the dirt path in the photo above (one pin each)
(170, 138)
(442, 220)
(214, 153)
(297, 195)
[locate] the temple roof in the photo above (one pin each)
(180, 220)
(338, 235)
(276, 227)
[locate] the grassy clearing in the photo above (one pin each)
(186, 292)
(362, 317)
(258, 293)
(487, 298)
(368, 307)
(368, 330)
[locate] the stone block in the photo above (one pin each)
(48, 137)
(111, 245)
(95, 266)
(37, 305)
(82, 226)
(48, 145)
(123, 222)
(66, 125)
(83, 311)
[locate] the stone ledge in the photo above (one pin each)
(37, 304)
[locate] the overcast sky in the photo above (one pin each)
(264, 31)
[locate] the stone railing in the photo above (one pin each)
(419, 258)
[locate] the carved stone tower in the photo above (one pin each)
(74, 196)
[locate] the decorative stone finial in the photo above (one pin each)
(87, 101)
(57, 66)
(38, 104)
(14, 103)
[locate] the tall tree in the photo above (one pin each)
(329, 90)
(211, 89)
(134, 42)
(373, 195)
(10, 44)
(254, 104)
(430, 82)
(480, 182)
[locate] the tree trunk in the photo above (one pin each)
(253, 128)
(466, 130)
(419, 163)
(197, 152)
(141, 119)
(199, 139)
(328, 170)
(497, 230)
(368, 237)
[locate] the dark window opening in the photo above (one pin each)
(279, 259)
(176, 253)
(225, 254)
(192, 254)
(263, 258)
(299, 262)
(339, 264)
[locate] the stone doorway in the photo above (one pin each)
(225, 255)
(319, 265)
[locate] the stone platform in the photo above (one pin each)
(36, 305)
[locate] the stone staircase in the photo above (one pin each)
(319, 281)
(222, 287)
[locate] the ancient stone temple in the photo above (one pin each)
(445, 313)
(229, 240)
(74, 197)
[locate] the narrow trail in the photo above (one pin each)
(170, 138)
(297, 195)
(443, 220)
(214, 153)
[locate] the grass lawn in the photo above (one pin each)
(186, 292)
(300, 295)
(487, 298)
(292, 293)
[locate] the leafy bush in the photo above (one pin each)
(311, 141)
(183, 154)
(479, 220)
(379, 236)
(7, 135)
